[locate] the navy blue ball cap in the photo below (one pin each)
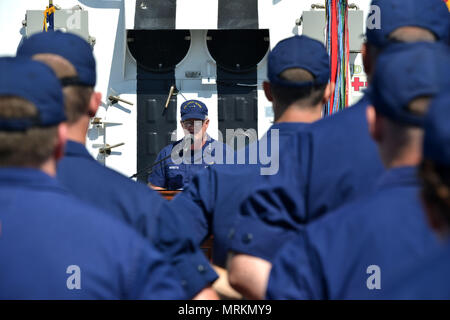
(437, 130)
(193, 109)
(406, 71)
(432, 15)
(67, 45)
(37, 83)
(299, 52)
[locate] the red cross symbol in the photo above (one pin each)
(357, 84)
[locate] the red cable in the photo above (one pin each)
(334, 50)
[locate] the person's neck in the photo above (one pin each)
(397, 163)
(199, 145)
(49, 167)
(77, 131)
(394, 155)
(407, 159)
(297, 114)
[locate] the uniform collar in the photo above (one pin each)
(289, 126)
(76, 149)
(400, 176)
(208, 142)
(27, 177)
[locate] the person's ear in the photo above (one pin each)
(328, 90)
(94, 103)
(374, 123)
(268, 90)
(61, 140)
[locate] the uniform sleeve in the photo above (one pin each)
(267, 220)
(276, 211)
(192, 209)
(152, 277)
(158, 175)
(142, 209)
(183, 225)
(296, 273)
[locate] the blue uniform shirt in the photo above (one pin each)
(131, 202)
(428, 280)
(45, 232)
(344, 161)
(211, 202)
(336, 256)
(173, 176)
(343, 164)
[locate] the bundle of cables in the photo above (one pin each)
(339, 51)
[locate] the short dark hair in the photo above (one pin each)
(403, 135)
(412, 34)
(76, 99)
(404, 34)
(306, 96)
(28, 148)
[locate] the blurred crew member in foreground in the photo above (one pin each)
(53, 246)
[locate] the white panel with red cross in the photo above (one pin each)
(358, 77)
